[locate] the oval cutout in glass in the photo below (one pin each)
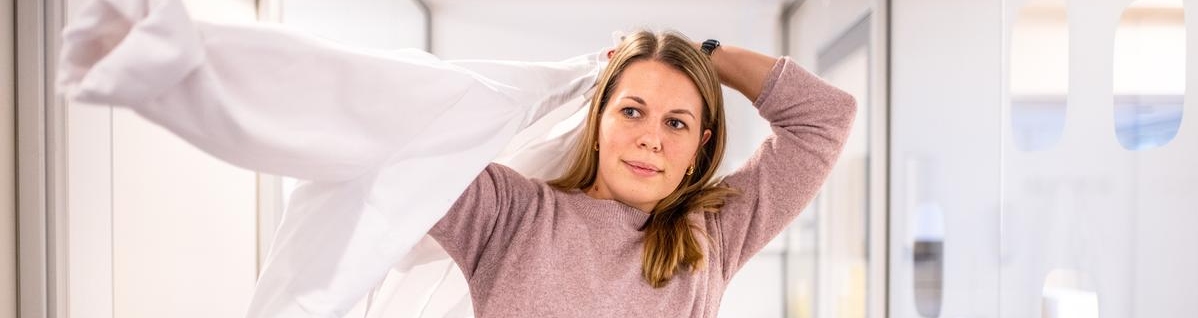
(1148, 73)
(1068, 293)
(924, 240)
(928, 259)
(1039, 74)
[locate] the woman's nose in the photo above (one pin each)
(650, 140)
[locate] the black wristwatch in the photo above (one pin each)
(709, 46)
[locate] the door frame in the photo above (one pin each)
(41, 162)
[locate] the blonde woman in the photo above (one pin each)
(639, 225)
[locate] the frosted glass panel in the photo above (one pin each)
(1051, 139)
(1100, 223)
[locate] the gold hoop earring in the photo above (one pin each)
(690, 170)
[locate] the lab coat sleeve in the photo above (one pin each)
(385, 140)
(272, 100)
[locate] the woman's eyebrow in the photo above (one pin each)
(640, 100)
(682, 111)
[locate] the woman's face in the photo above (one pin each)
(649, 134)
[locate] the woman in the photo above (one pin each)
(636, 227)
(639, 226)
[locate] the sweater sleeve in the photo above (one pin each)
(810, 120)
(484, 218)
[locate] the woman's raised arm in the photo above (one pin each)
(810, 119)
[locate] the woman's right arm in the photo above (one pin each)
(810, 120)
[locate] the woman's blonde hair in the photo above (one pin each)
(670, 243)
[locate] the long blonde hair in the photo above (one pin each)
(670, 243)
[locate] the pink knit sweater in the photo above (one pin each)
(529, 250)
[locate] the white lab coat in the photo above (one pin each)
(386, 141)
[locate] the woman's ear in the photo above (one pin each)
(706, 136)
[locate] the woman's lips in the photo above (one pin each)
(641, 168)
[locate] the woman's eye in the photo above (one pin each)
(676, 124)
(631, 112)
